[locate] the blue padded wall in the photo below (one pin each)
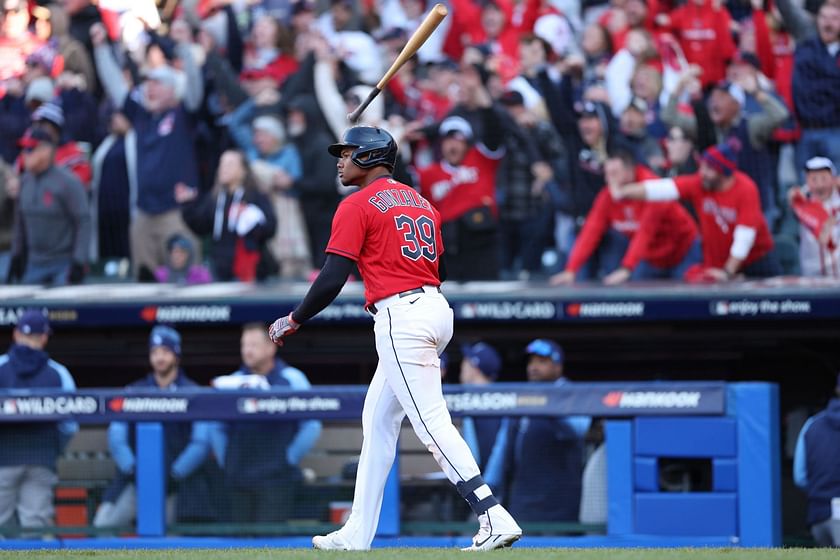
(687, 514)
(685, 437)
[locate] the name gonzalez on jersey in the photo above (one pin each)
(391, 198)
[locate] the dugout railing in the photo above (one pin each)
(729, 433)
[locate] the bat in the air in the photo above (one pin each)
(414, 43)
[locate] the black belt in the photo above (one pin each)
(372, 308)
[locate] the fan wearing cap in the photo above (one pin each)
(636, 239)
(53, 222)
(186, 444)
(30, 450)
(547, 452)
(486, 436)
(68, 154)
(736, 239)
(159, 111)
(462, 186)
(816, 470)
(817, 207)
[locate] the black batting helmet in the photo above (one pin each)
(371, 147)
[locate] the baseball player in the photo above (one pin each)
(393, 235)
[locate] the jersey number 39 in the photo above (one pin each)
(418, 237)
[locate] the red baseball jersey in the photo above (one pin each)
(660, 232)
(720, 211)
(457, 190)
(393, 234)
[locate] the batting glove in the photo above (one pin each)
(281, 328)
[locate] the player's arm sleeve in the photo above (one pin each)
(442, 272)
(800, 469)
(194, 453)
(325, 288)
(118, 445)
(310, 430)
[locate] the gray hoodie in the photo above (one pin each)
(53, 218)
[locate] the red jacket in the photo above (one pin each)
(705, 36)
(660, 233)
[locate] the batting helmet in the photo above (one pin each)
(371, 147)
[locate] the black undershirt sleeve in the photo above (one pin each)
(442, 268)
(325, 288)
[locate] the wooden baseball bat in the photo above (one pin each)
(420, 35)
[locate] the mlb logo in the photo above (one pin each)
(9, 406)
(166, 124)
(248, 406)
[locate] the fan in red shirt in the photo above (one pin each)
(661, 237)
(463, 188)
(703, 30)
(736, 239)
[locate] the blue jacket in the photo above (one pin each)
(165, 154)
(547, 468)
(816, 85)
(253, 451)
(33, 443)
(816, 461)
(186, 444)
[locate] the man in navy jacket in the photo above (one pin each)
(28, 451)
(261, 459)
(186, 444)
(547, 452)
(816, 469)
(816, 89)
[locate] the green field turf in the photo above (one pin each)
(438, 554)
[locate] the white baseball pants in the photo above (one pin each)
(411, 332)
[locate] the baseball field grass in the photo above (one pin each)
(434, 554)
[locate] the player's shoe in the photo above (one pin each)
(332, 541)
(496, 529)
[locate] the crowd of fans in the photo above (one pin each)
(186, 141)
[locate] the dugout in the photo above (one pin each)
(732, 429)
(783, 330)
